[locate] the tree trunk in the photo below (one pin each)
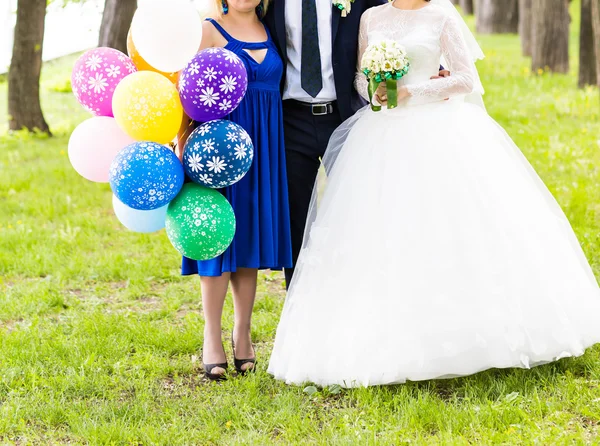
(525, 26)
(116, 21)
(587, 55)
(497, 16)
(466, 6)
(596, 27)
(454, 2)
(24, 109)
(550, 40)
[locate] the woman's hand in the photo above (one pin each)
(403, 93)
(184, 132)
(381, 94)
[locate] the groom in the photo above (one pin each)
(319, 48)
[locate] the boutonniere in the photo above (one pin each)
(343, 5)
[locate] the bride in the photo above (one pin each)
(436, 251)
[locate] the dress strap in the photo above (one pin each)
(224, 33)
(269, 37)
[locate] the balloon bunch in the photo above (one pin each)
(138, 103)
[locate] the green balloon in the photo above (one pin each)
(200, 222)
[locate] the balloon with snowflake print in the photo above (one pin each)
(200, 222)
(218, 154)
(147, 107)
(146, 175)
(212, 84)
(95, 77)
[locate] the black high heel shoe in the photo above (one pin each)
(239, 363)
(208, 368)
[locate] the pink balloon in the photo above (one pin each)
(95, 76)
(93, 146)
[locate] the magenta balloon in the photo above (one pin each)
(212, 84)
(95, 76)
(93, 146)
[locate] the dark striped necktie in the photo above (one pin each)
(310, 71)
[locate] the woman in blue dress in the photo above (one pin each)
(259, 200)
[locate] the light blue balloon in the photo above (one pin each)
(140, 221)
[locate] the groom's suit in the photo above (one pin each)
(309, 123)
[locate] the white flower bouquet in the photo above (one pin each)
(385, 61)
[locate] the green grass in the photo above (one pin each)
(100, 336)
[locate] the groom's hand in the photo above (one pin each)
(441, 74)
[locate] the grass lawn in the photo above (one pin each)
(100, 336)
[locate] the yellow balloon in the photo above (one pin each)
(147, 107)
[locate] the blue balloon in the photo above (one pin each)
(218, 154)
(140, 221)
(146, 176)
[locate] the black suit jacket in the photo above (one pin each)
(345, 48)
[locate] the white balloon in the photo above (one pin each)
(140, 221)
(167, 33)
(94, 144)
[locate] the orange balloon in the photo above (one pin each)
(142, 65)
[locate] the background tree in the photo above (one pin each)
(24, 107)
(550, 35)
(525, 26)
(116, 21)
(466, 6)
(587, 56)
(596, 28)
(497, 16)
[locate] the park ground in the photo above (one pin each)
(100, 337)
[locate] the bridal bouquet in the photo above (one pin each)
(387, 62)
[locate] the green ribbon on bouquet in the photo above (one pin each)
(392, 93)
(391, 84)
(373, 85)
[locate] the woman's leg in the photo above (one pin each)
(214, 291)
(243, 283)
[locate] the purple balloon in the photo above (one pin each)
(212, 84)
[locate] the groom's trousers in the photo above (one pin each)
(307, 131)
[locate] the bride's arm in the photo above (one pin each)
(360, 80)
(457, 55)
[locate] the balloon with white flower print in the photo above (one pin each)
(143, 222)
(95, 76)
(218, 154)
(200, 222)
(147, 107)
(146, 175)
(212, 84)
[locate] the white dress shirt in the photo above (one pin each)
(293, 28)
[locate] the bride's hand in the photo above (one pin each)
(403, 93)
(381, 94)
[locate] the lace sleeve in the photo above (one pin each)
(360, 80)
(455, 51)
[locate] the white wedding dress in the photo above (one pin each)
(436, 251)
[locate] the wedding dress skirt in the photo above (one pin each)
(437, 252)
